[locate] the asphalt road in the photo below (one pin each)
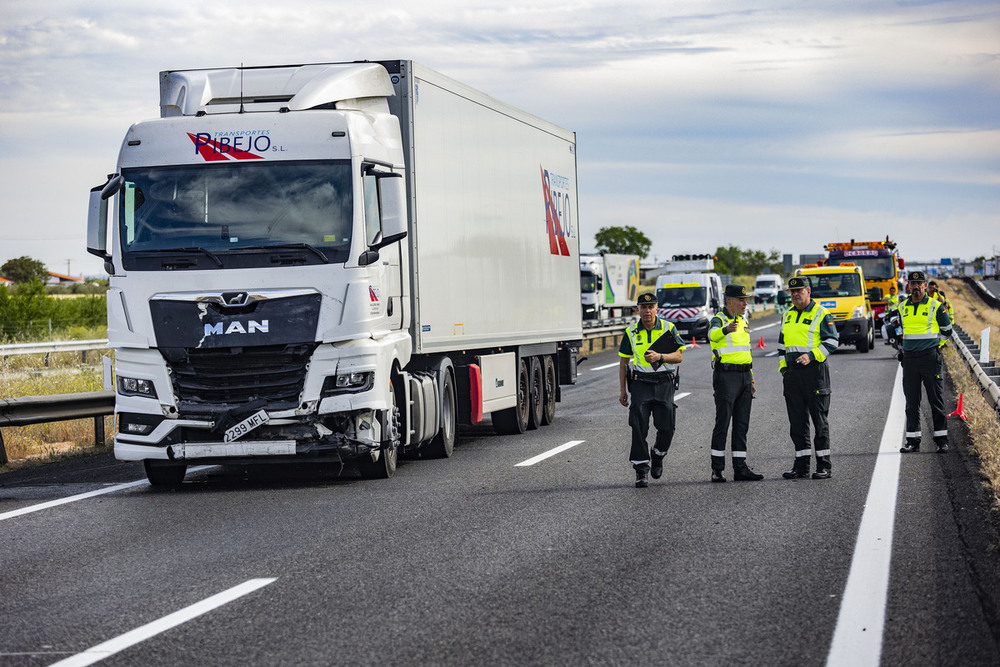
(476, 560)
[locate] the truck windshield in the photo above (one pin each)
(874, 268)
(588, 283)
(680, 297)
(765, 284)
(832, 285)
(237, 215)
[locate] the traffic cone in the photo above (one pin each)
(760, 343)
(694, 343)
(959, 411)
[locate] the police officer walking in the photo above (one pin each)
(649, 376)
(808, 336)
(732, 380)
(925, 321)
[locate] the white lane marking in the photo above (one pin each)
(602, 368)
(681, 395)
(857, 639)
(764, 326)
(81, 496)
(772, 354)
(141, 634)
(552, 452)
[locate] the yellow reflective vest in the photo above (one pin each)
(731, 348)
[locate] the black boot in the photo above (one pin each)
(640, 479)
(743, 473)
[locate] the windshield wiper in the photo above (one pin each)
(291, 246)
(203, 251)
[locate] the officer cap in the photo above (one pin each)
(646, 297)
(797, 283)
(917, 277)
(737, 291)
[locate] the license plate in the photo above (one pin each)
(259, 418)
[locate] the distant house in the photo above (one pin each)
(5, 281)
(60, 279)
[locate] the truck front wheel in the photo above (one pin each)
(385, 466)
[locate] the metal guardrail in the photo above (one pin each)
(52, 346)
(58, 407)
(985, 372)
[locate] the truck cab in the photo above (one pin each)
(842, 290)
(689, 300)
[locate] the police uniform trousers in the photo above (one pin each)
(924, 368)
(650, 397)
(807, 396)
(733, 385)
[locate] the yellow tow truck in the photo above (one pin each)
(841, 289)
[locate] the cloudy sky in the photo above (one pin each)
(775, 124)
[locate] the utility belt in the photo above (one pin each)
(734, 368)
(652, 378)
(910, 354)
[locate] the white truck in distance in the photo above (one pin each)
(609, 285)
(334, 262)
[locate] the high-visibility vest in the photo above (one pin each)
(920, 320)
(733, 348)
(641, 343)
(800, 331)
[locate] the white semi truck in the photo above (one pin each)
(334, 262)
(609, 285)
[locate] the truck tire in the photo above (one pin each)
(536, 393)
(165, 476)
(863, 344)
(549, 390)
(385, 466)
(443, 444)
(515, 420)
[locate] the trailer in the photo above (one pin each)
(336, 262)
(609, 285)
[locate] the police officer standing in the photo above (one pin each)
(808, 336)
(649, 376)
(925, 321)
(732, 380)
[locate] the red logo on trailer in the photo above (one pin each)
(557, 240)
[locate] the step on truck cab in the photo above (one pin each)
(842, 290)
(284, 287)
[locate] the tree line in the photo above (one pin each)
(628, 240)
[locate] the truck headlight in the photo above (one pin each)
(858, 313)
(345, 383)
(136, 387)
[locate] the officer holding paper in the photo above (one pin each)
(650, 351)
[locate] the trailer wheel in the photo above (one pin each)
(515, 420)
(443, 444)
(385, 466)
(536, 394)
(550, 388)
(166, 476)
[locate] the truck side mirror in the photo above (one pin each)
(392, 205)
(875, 294)
(97, 219)
(782, 298)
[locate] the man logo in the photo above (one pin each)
(251, 327)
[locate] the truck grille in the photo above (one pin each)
(237, 375)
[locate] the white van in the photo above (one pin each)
(689, 300)
(767, 287)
